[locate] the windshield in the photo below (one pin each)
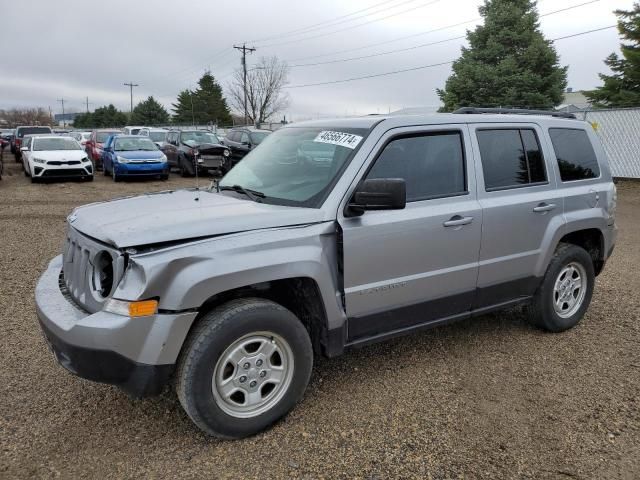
(101, 137)
(48, 144)
(297, 166)
(157, 136)
(134, 144)
(198, 138)
(257, 137)
(31, 130)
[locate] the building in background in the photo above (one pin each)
(65, 119)
(574, 102)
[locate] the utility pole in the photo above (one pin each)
(64, 121)
(244, 50)
(131, 85)
(87, 102)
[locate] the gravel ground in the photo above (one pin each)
(485, 398)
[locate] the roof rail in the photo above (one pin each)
(520, 111)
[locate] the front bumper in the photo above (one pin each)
(79, 170)
(136, 354)
(138, 169)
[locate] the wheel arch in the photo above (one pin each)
(301, 295)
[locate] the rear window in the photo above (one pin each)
(576, 157)
(101, 137)
(510, 158)
(32, 130)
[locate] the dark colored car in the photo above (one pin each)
(241, 140)
(16, 142)
(5, 138)
(96, 141)
(183, 146)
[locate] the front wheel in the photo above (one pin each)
(116, 177)
(565, 292)
(246, 365)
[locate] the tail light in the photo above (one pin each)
(18, 142)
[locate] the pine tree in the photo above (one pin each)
(182, 108)
(508, 62)
(104, 117)
(622, 88)
(209, 104)
(149, 112)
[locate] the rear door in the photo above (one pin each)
(522, 209)
(409, 267)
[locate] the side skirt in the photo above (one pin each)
(435, 323)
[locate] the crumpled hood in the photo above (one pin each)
(176, 215)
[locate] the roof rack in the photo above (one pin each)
(520, 111)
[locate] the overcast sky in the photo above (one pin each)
(76, 48)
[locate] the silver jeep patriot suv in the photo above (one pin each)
(329, 235)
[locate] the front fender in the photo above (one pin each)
(186, 276)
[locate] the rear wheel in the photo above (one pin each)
(565, 292)
(245, 366)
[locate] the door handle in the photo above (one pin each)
(544, 207)
(458, 221)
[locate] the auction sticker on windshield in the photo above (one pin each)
(338, 138)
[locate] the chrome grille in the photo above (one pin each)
(79, 255)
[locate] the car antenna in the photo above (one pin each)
(196, 152)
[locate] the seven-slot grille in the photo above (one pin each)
(81, 277)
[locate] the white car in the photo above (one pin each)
(131, 130)
(81, 137)
(157, 135)
(55, 156)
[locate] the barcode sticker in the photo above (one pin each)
(339, 138)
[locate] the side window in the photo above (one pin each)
(576, 158)
(510, 158)
(432, 164)
(244, 138)
(27, 142)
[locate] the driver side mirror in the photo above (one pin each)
(24, 149)
(378, 194)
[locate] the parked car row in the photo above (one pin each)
(131, 151)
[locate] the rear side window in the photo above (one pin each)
(576, 158)
(510, 158)
(32, 130)
(432, 165)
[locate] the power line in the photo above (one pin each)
(446, 27)
(350, 27)
(584, 33)
(394, 72)
(330, 21)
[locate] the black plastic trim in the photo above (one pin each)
(106, 366)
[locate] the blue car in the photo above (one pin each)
(133, 156)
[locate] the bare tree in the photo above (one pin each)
(26, 116)
(265, 83)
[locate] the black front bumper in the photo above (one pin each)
(138, 380)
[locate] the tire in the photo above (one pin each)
(17, 158)
(35, 180)
(164, 177)
(185, 169)
(544, 312)
(105, 172)
(203, 359)
(89, 179)
(116, 177)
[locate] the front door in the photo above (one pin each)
(410, 267)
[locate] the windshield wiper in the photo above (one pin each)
(252, 194)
